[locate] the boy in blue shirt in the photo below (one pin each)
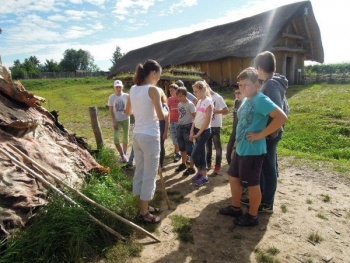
(250, 147)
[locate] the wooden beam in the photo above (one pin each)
(308, 35)
(289, 49)
(295, 28)
(292, 36)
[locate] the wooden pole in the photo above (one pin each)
(96, 127)
(59, 192)
(163, 187)
(84, 197)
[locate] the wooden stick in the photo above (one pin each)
(84, 197)
(52, 187)
(160, 172)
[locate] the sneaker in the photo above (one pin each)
(196, 177)
(202, 181)
(264, 208)
(245, 201)
(177, 157)
(123, 159)
(246, 220)
(217, 169)
(128, 166)
(231, 211)
(208, 166)
(181, 168)
(189, 171)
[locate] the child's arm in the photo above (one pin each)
(208, 114)
(278, 119)
(114, 121)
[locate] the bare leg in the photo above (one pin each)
(143, 207)
(120, 150)
(254, 199)
(125, 148)
(236, 190)
(183, 157)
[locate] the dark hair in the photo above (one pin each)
(236, 86)
(181, 90)
(142, 71)
(266, 60)
(249, 74)
(173, 86)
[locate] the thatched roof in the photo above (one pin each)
(243, 38)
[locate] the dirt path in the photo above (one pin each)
(303, 192)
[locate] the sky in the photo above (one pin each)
(46, 28)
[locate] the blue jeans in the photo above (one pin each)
(268, 181)
(214, 138)
(131, 157)
(198, 152)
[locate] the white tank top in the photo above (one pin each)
(146, 120)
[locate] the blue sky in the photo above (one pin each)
(46, 28)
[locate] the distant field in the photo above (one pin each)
(318, 126)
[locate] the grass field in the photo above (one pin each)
(318, 126)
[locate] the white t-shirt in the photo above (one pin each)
(202, 106)
(146, 120)
(219, 104)
(119, 105)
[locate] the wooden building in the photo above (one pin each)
(291, 32)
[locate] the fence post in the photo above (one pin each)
(96, 127)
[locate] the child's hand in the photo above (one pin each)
(253, 136)
(115, 125)
(165, 136)
(233, 153)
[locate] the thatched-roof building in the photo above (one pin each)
(291, 32)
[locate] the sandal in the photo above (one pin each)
(149, 218)
(153, 209)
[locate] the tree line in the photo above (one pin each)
(339, 68)
(72, 61)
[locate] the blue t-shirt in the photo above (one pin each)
(253, 116)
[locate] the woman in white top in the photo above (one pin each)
(144, 102)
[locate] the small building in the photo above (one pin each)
(291, 32)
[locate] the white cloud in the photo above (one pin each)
(125, 7)
(177, 7)
(25, 6)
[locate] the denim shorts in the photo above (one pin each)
(183, 138)
(173, 132)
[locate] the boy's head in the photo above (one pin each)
(248, 80)
(238, 94)
(180, 83)
(118, 86)
(181, 94)
(266, 61)
(173, 88)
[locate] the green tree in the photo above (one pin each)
(117, 55)
(77, 60)
(32, 66)
(51, 66)
(18, 70)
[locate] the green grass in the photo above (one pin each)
(284, 208)
(267, 256)
(326, 198)
(182, 226)
(315, 237)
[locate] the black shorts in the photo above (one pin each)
(247, 168)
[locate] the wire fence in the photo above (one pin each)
(334, 78)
